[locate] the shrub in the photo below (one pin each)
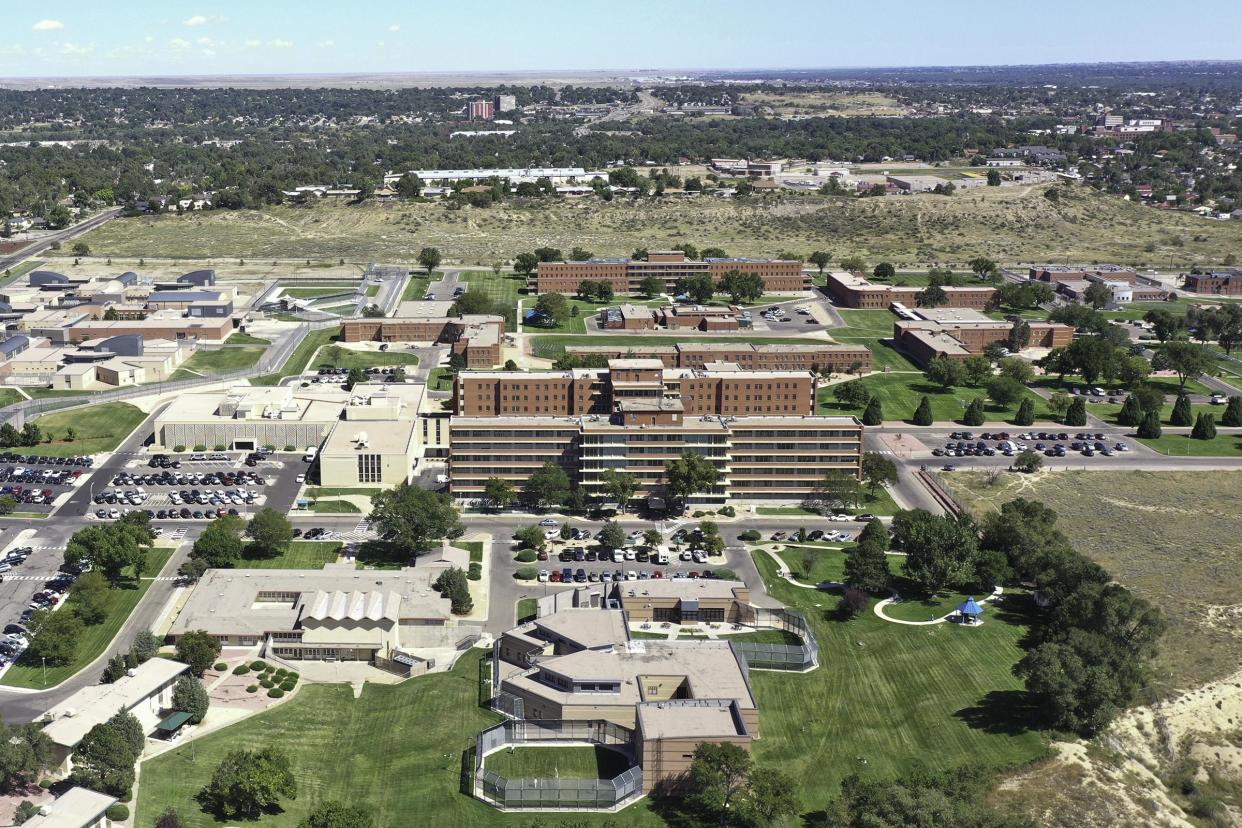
(178, 449)
(266, 682)
(526, 556)
(252, 688)
(46, 784)
(526, 573)
(292, 676)
(218, 447)
(750, 536)
(289, 447)
(117, 812)
(728, 511)
(275, 693)
(288, 686)
(476, 571)
(220, 667)
(241, 670)
(258, 665)
(698, 514)
(200, 447)
(280, 671)
(727, 574)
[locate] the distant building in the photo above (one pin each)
(967, 335)
(1219, 283)
(477, 338)
(627, 275)
(853, 290)
(480, 110)
(504, 103)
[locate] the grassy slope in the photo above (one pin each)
(8, 396)
(298, 555)
(899, 396)
(99, 428)
(120, 603)
(300, 357)
(219, 361)
(1007, 224)
(1179, 552)
(334, 356)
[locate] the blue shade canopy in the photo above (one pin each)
(969, 607)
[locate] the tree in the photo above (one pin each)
(945, 372)
(1098, 295)
(104, 759)
(1076, 414)
(976, 370)
(1150, 427)
(652, 538)
(580, 255)
(356, 376)
(1005, 391)
(1028, 462)
(90, 597)
(409, 186)
(429, 257)
(884, 270)
(726, 787)
(1181, 415)
(247, 784)
(620, 486)
(983, 267)
(874, 413)
(25, 752)
(1233, 413)
(221, 543)
(112, 549)
(940, 550)
(115, 670)
(837, 489)
(81, 249)
(333, 814)
(169, 819)
(742, 287)
(548, 486)
(652, 286)
(455, 586)
(55, 637)
(499, 492)
(548, 254)
(31, 435)
(553, 308)
(699, 287)
(189, 696)
(866, 567)
(853, 264)
(199, 649)
(1131, 413)
(1133, 371)
(974, 415)
(923, 414)
(525, 263)
(1026, 412)
(927, 798)
(878, 471)
(1019, 335)
(270, 532)
(853, 393)
(932, 296)
(1164, 324)
(1205, 426)
(417, 518)
(1185, 359)
(994, 177)
(1059, 404)
(821, 259)
(611, 535)
(690, 474)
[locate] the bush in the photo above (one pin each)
(728, 511)
(252, 688)
(476, 571)
(220, 667)
(219, 447)
(526, 556)
(526, 573)
(280, 671)
(241, 670)
(750, 536)
(117, 812)
(288, 686)
(46, 784)
(258, 665)
(275, 693)
(698, 514)
(266, 683)
(292, 676)
(200, 447)
(178, 449)
(289, 447)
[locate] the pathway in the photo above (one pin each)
(879, 610)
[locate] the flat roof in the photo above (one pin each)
(674, 720)
(691, 588)
(952, 314)
(588, 627)
(73, 717)
(75, 808)
(379, 436)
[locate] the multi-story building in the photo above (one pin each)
(924, 340)
(505, 103)
(626, 275)
(481, 110)
(853, 290)
(1219, 283)
(785, 357)
(477, 338)
(1056, 274)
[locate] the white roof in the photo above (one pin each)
(76, 808)
(72, 718)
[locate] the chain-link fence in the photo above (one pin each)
(797, 657)
(555, 792)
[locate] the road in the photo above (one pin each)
(37, 247)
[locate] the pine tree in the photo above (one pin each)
(1205, 427)
(1181, 412)
(1077, 413)
(866, 567)
(1150, 428)
(1233, 413)
(874, 414)
(923, 414)
(974, 413)
(1131, 413)
(1026, 413)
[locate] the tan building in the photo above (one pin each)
(627, 318)
(75, 808)
(158, 325)
(958, 339)
(1056, 274)
(627, 275)
(669, 732)
(853, 290)
(246, 418)
(676, 601)
(477, 338)
(369, 453)
(751, 357)
(701, 317)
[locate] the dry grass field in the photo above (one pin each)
(1010, 224)
(842, 104)
(1175, 537)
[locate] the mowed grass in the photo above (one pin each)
(242, 338)
(297, 555)
(900, 393)
(8, 396)
(811, 565)
(563, 762)
(119, 603)
(887, 696)
(1174, 537)
(317, 292)
(221, 361)
(441, 379)
(416, 288)
(97, 428)
(301, 356)
(334, 356)
(1226, 444)
(398, 749)
(333, 507)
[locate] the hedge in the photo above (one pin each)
(220, 667)
(526, 573)
(258, 665)
(241, 670)
(275, 693)
(117, 812)
(475, 572)
(526, 556)
(252, 688)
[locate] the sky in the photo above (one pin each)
(68, 38)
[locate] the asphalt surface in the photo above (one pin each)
(37, 247)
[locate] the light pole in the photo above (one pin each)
(44, 660)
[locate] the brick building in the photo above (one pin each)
(477, 338)
(792, 357)
(958, 339)
(1055, 274)
(1220, 283)
(626, 275)
(853, 290)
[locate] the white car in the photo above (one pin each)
(301, 478)
(548, 522)
(1219, 399)
(631, 575)
(629, 554)
(685, 556)
(840, 518)
(543, 576)
(831, 535)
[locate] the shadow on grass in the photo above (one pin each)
(380, 554)
(1002, 712)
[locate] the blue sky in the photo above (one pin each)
(140, 37)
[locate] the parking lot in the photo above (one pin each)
(1053, 444)
(36, 482)
(30, 578)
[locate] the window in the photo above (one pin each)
(369, 468)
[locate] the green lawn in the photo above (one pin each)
(317, 292)
(223, 360)
(341, 310)
(399, 749)
(373, 291)
(416, 288)
(1169, 385)
(98, 428)
(300, 357)
(96, 638)
(297, 555)
(1225, 445)
(866, 322)
(765, 637)
(559, 761)
(899, 396)
(887, 696)
(320, 491)
(241, 338)
(825, 564)
(8, 396)
(441, 379)
(333, 507)
(475, 548)
(1109, 411)
(334, 356)
(504, 288)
